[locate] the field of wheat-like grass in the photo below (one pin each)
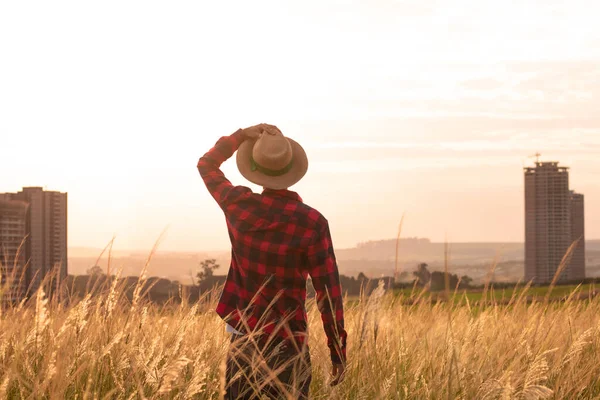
(107, 346)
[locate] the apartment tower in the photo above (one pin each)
(578, 233)
(46, 228)
(12, 252)
(553, 221)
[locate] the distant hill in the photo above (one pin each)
(417, 249)
(474, 259)
(374, 258)
(166, 265)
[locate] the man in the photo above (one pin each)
(277, 242)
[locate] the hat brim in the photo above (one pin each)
(293, 176)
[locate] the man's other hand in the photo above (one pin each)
(338, 372)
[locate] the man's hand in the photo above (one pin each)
(338, 372)
(255, 131)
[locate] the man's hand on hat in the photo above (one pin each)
(255, 131)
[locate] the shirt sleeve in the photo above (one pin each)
(209, 167)
(326, 281)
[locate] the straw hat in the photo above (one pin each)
(272, 161)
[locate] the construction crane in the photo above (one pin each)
(537, 157)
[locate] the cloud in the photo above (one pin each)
(541, 90)
(493, 148)
(483, 84)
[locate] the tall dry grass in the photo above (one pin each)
(107, 347)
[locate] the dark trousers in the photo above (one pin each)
(276, 371)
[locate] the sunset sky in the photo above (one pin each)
(428, 108)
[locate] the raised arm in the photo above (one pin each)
(218, 185)
(326, 281)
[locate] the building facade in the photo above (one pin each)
(46, 229)
(13, 281)
(552, 224)
(578, 233)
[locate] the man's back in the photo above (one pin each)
(277, 242)
(271, 235)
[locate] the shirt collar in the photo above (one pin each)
(282, 193)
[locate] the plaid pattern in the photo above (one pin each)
(277, 242)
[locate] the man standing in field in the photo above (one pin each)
(277, 242)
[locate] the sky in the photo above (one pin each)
(425, 108)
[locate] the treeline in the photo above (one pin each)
(158, 290)
(161, 291)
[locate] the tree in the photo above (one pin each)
(438, 281)
(422, 274)
(465, 281)
(208, 267)
(96, 270)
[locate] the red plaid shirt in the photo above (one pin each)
(277, 242)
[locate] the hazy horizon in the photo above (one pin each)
(91, 250)
(422, 108)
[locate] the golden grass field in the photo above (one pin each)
(109, 347)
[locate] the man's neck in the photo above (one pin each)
(282, 193)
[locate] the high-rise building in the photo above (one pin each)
(12, 252)
(578, 233)
(46, 227)
(552, 223)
